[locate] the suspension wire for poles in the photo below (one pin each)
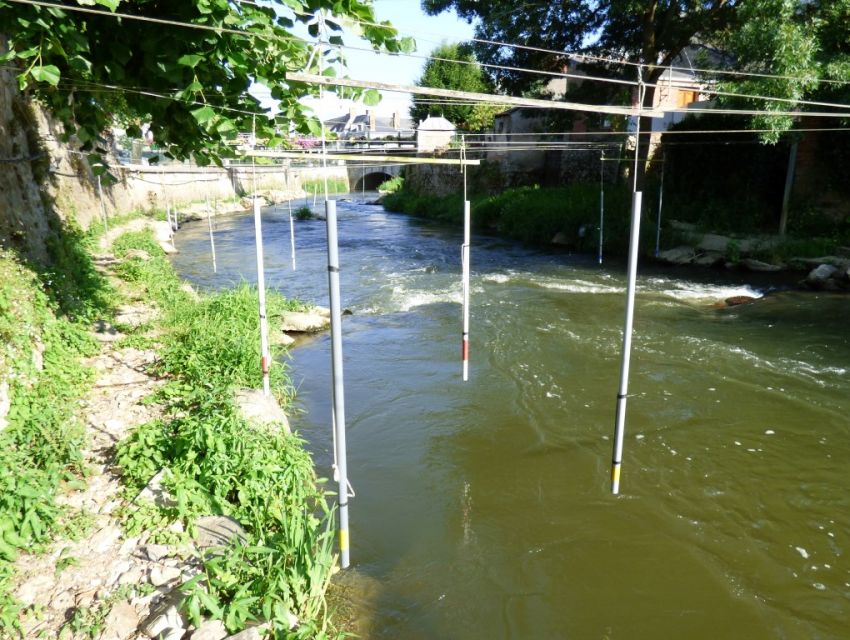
(338, 404)
(265, 355)
(634, 237)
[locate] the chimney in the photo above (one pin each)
(396, 121)
(373, 123)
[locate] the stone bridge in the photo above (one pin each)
(370, 177)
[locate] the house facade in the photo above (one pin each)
(370, 126)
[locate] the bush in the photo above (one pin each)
(303, 213)
(392, 185)
(533, 214)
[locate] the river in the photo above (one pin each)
(483, 510)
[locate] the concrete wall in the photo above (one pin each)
(143, 187)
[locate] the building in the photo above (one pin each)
(434, 132)
(369, 126)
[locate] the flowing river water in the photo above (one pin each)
(483, 510)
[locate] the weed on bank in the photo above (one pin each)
(218, 464)
(42, 382)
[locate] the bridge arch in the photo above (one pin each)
(370, 180)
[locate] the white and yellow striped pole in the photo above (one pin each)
(622, 392)
(338, 384)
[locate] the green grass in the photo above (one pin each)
(40, 447)
(218, 464)
(335, 185)
(533, 214)
(392, 185)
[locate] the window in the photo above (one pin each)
(685, 97)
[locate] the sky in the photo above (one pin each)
(428, 31)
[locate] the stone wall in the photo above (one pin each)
(24, 223)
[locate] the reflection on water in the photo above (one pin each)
(482, 509)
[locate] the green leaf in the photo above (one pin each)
(315, 127)
(371, 97)
(210, 603)
(189, 60)
(47, 73)
(80, 64)
(204, 114)
(407, 45)
(112, 5)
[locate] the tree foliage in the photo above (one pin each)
(653, 32)
(189, 82)
(805, 45)
(453, 66)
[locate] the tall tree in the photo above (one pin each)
(453, 66)
(804, 45)
(201, 55)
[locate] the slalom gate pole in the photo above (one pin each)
(623, 389)
(338, 384)
(660, 202)
(601, 202)
(265, 356)
(464, 256)
(464, 263)
(291, 234)
(212, 239)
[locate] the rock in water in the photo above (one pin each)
(734, 301)
(678, 255)
(757, 265)
(819, 276)
(560, 238)
(304, 322)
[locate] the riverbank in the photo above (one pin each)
(569, 218)
(152, 465)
